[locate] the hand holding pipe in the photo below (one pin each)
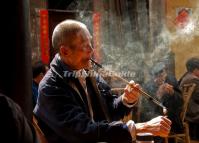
(149, 97)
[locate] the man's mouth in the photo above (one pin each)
(87, 59)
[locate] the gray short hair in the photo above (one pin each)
(192, 63)
(65, 32)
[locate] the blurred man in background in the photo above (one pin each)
(39, 69)
(163, 87)
(192, 76)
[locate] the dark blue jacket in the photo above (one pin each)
(34, 92)
(63, 113)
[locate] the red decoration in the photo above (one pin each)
(182, 19)
(44, 36)
(97, 35)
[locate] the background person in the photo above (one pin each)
(192, 116)
(164, 88)
(39, 69)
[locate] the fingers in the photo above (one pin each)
(165, 126)
(163, 132)
(166, 120)
(160, 126)
(129, 86)
(131, 92)
(167, 88)
(132, 86)
(130, 97)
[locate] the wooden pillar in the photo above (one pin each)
(157, 20)
(15, 55)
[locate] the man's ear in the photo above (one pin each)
(64, 50)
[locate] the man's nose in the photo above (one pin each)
(90, 49)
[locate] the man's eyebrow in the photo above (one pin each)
(159, 72)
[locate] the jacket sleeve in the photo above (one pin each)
(173, 102)
(195, 95)
(61, 110)
(193, 107)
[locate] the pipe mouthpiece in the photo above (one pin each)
(96, 63)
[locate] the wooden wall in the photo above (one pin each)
(184, 46)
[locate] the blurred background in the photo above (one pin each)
(129, 37)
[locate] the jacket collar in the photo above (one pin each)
(70, 77)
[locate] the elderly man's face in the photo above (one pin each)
(80, 52)
(161, 77)
(196, 72)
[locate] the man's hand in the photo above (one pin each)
(165, 89)
(131, 93)
(168, 88)
(159, 126)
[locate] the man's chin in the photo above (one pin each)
(88, 66)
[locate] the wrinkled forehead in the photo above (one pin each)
(84, 34)
(82, 37)
(161, 73)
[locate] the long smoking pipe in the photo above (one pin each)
(149, 97)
